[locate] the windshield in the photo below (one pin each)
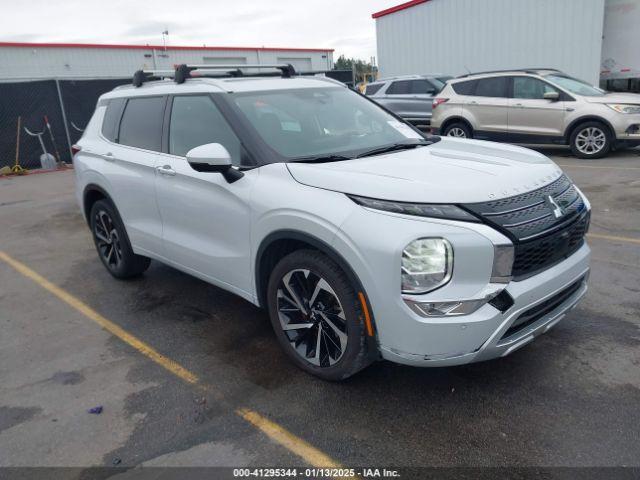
(576, 86)
(317, 123)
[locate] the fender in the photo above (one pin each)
(92, 187)
(453, 119)
(588, 118)
(319, 245)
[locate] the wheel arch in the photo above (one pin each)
(280, 243)
(455, 119)
(587, 118)
(91, 194)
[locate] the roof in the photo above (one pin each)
(157, 47)
(208, 84)
(397, 8)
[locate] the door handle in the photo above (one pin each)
(166, 170)
(108, 156)
(473, 102)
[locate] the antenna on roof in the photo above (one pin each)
(165, 34)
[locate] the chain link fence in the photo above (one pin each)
(58, 100)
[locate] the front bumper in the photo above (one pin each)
(566, 283)
(626, 128)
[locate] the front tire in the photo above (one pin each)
(590, 140)
(458, 130)
(112, 242)
(317, 316)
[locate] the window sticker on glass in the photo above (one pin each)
(405, 130)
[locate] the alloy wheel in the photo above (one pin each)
(591, 140)
(456, 132)
(312, 317)
(108, 239)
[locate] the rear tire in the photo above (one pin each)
(591, 140)
(458, 130)
(112, 242)
(309, 290)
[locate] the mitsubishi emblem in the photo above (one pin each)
(555, 208)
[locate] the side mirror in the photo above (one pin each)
(213, 157)
(553, 96)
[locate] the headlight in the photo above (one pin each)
(418, 209)
(427, 264)
(622, 108)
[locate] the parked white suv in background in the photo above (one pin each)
(363, 238)
(542, 106)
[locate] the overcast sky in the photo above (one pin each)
(343, 25)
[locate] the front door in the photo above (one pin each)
(206, 221)
(532, 118)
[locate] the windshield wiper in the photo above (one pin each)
(323, 158)
(391, 148)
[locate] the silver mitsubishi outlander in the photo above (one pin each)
(363, 238)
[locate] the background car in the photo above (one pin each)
(409, 96)
(538, 106)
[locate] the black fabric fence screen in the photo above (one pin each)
(32, 101)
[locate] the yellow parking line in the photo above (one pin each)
(614, 238)
(309, 453)
(108, 325)
(275, 432)
(600, 167)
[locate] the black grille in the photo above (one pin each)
(531, 316)
(541, 238)
(536, 255)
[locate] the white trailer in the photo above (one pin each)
(457, 36)
(621, 46)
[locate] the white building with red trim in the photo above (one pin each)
(34, 61)
(584, 38)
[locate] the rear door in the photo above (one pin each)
(531, 117)
(487, 108)
(130, 160)
(206, 220)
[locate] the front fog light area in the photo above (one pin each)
(427, 264)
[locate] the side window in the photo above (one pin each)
(195, 120)
(401, 87)
(464, 88)
(141, 124)
(111, 119)
(423, 87)
(373, 88)
(532, 88)
(492, 87)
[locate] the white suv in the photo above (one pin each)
(363, 238)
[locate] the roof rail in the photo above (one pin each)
(525, 70)
(184, 71)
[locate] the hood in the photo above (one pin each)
(632, 98)
(449, 171)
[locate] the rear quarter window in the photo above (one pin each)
(464, 88)
(112, 118)
(141, 124)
